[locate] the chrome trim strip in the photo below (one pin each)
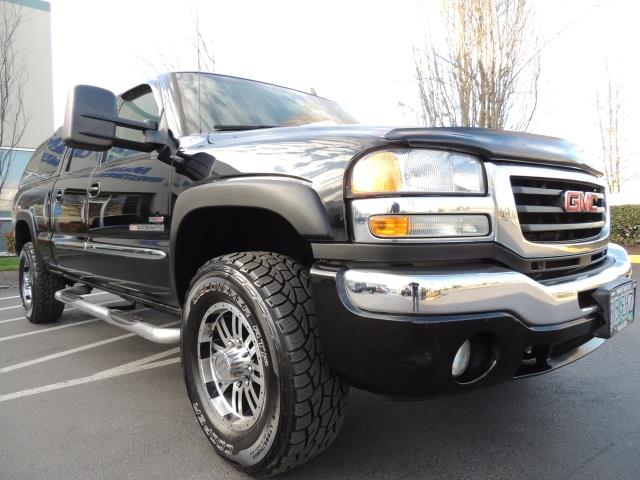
(69, 244)
(126, 251)
(111, 249)
(474, 289)
(362, 209)
(545, 227)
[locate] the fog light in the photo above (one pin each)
(461, 360)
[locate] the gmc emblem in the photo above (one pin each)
(580, 201)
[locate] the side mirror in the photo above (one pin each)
(91, 118)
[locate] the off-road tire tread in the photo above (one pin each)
(320, 396)
(45, 307)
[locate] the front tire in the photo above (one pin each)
(253, 364)
(38, 287)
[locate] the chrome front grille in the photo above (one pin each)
(540, 206)
(529, 198)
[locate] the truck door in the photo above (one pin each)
(69, 211)
(129, 212)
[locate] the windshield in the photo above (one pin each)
(215, 102)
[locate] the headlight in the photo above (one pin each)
(417, 171)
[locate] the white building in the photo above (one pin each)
(32, 48)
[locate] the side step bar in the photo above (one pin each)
(73, 296)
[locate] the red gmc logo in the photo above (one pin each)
(581, 201)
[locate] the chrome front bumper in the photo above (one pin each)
(475, 289)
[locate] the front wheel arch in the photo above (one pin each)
(24, 232)
(223, 204)
(215, 231)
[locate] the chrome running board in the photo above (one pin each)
(73, 296)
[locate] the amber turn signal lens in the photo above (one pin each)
(429, 226)
(378, 173)
(390, 226)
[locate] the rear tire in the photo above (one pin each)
(38, 287)
(293, 404)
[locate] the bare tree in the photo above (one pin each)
(203, 48)
(609, 123)
(484, 71)
(13, 118)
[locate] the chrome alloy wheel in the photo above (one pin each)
(26, 285)
(231, 366)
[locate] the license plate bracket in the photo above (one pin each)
(617, 301)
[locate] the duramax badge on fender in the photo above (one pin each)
(305, 252)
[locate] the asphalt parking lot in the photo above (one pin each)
(83, 399)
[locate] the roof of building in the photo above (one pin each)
(36, 4)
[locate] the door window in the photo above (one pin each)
(81, 162)
(45, 160)
(51, 156)
(140, 106)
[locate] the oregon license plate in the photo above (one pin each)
(622, 304)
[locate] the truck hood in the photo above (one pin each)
(497, 145)
(491, 144)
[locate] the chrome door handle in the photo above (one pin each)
(94, 190)
(58, 196)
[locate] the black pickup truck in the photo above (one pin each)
(305, 252)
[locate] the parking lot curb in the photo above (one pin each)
(635, 258)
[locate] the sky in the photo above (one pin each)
(358, 53)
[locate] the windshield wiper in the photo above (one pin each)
(231, 128)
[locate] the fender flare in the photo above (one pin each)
(27, 217)
(293, 200)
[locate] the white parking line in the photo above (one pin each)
(22, 318)
(71, 351)
(20, 305)
(66, 325)
(12, 306)
(88, 295)
(45, 330)
(133, 367)
(7, 298)
(53, 356)
(65, 311)
(141, 361)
